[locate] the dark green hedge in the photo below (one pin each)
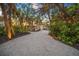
(65, 32)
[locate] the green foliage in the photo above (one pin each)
(2, 32)
(67, 33)
(71, 9)
(20, 29)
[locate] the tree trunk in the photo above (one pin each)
(7, 21)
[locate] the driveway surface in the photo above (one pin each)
(36, 44)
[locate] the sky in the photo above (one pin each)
(0, 12)
(67, 4)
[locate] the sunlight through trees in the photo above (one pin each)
(61, 19)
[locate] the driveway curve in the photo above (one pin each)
(36, 44)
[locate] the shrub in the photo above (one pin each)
(20, 29)
(67, 33)
(2, 32)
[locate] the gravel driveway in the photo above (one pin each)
(36, 44)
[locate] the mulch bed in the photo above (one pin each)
(4, 39)
(77, 46)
